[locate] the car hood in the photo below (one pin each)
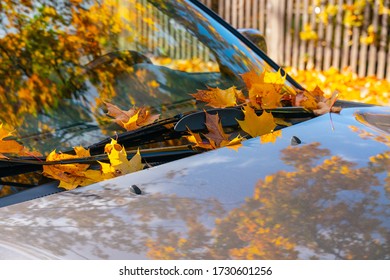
(318, 189)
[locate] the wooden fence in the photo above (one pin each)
(318, 34)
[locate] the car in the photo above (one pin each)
(312, 186)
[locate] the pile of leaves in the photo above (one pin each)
(351, 87)
(264, 91)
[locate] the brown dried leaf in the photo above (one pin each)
(131, 119)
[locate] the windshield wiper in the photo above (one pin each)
(167, 129)
(229, 116)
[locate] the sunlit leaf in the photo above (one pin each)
(131, 119)
(216, 137)
(218, 98)
(257, 125)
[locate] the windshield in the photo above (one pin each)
(61, 62)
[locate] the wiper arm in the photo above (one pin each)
(21, 165)
(155, 132)
(229, 116)
(171, 128)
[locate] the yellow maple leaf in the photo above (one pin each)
(306, 100)
(256, 125)
(73, 175)
(119, 164)
(70, 175)
(274, 77)
(218, 98)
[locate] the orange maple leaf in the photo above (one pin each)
(131, 119)
(11, 146)
(252, 77)
(219, 98)
(316, 101)
(265, 90)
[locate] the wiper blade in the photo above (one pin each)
(229, 116)
(21, 165)
(171, 128)
(155, 132)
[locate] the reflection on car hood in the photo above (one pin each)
(326, 198)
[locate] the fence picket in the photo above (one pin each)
(282, 21)
(383, 43)
(310, 46)
(328, 42)
(296, 35)
(373, 49)
(303, 45)
(288, 40)
(363, 48)
(262, 18)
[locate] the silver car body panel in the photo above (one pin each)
(324, 198)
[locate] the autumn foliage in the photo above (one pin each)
(349, 85)
(72, 175)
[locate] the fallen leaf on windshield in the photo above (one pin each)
(265, 96)
(275, 77)
(73, 175)
(219, 98)
(197, 139)
(265, 90)
(252, 77)
(316, 101)
(133, 118)
(216, 137)
(119, 164)
(256, 125)
(70, 175)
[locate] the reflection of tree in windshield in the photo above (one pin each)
(61, 60)
(42, 48)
